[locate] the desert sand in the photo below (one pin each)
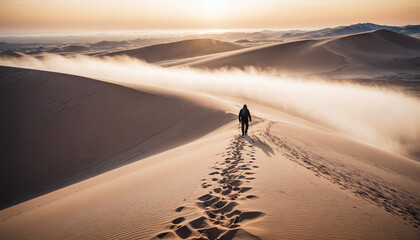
(187, 174)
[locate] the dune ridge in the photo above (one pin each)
(177, 50)
(10, 54)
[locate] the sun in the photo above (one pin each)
(212, 8)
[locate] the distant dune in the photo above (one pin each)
(75, 48)
(376, 50)
(351, 29)
(68, 49)
(178, 50)
(243, 41)
(10, 53)
(109, 44)
(57, 129)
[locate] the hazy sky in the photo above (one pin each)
(102, 15)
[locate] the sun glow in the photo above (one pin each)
(212, 8)
(53, 15)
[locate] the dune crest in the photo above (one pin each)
(177, 50)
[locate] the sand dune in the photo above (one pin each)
(10, 54)
(377, 50)
(68, 49)
(85, 159)
(289, 179)
(300, 56)
(57, 129)
(177, 50)
(282, 182)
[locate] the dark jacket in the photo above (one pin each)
(244, 115)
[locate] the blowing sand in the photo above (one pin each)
(289, 179)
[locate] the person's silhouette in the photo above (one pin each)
(243, 117)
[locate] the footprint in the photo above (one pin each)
(205, 197)
(211, 233)
(249, 216)
(226, 192)
(211, 215)
(209, 202)
(219, 204)
(183, 232)
(200, 222)
(251, 197)
(236, 183)
(245, 189)
(178, 220)
(234, 213)
(179, 209)
(164, 235)
(228, 208)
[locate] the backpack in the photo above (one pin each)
(244, 113)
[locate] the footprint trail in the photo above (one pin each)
(228, 184)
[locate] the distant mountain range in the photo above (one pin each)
(352, 29)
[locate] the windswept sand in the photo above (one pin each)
(289, 179)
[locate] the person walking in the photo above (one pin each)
(244, 116)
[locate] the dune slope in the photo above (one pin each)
(283, 181)
(177, 50)
(58, 129)
(10, 54)
(380, 50)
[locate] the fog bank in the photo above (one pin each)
(378, 116)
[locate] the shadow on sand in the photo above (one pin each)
(260, 144)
